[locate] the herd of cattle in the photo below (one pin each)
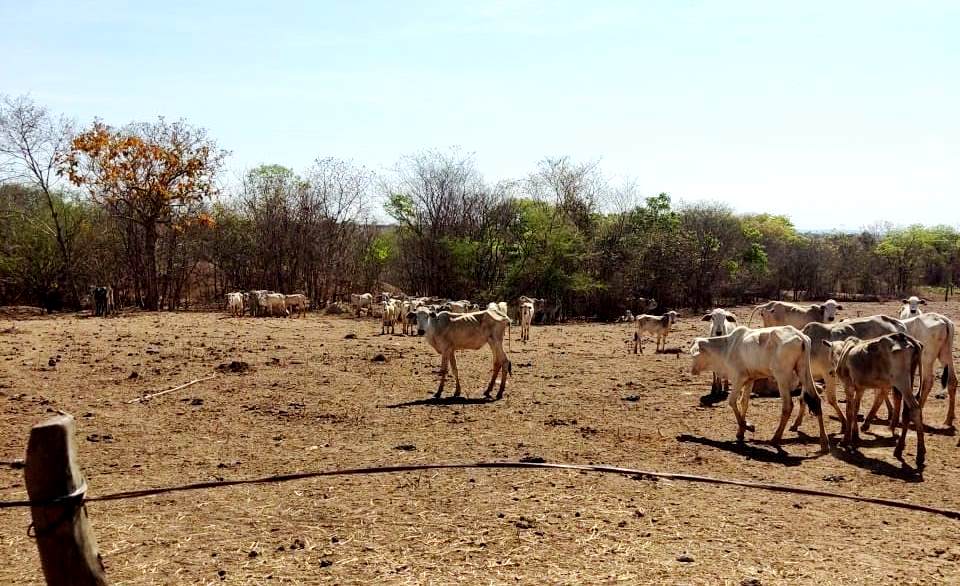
(796, 347)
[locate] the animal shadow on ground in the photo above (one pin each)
(856, 458)
(443, 402)
(751, 452)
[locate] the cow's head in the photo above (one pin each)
(829, 309)
(671, 317)
(424, 315)
(700, 362)
(913, 304)
(719, 318)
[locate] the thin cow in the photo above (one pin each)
(781, 313)
(658, 325)
(887, 362)
(447, 333)
(743, 356)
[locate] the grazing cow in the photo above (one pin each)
(911, 307)
(388, 317)
(235, 304)
(274, 304)
(447, 333)
(781, 313)
(744, 355)
(359, 301)
(297, 301)
(658, 325)
(410, 323)
(722, 323)
(821, 366)
(883, 363)
(526, 318)
(935, 333)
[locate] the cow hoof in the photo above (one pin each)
(750, 427)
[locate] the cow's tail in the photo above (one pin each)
(945, 376)
(810, 395)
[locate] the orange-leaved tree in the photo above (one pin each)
(149, 175)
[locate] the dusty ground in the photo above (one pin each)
(315, 400)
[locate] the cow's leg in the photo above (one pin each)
(456, 372)
(852, 408)
(800, 412)
(951, 390)
(443, 374)
(879, 399)
(786, 406)
(734, 401)
(830, 390)
(926, 381)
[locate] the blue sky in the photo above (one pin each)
(838, 114)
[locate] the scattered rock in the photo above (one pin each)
(532, 460)
(133, 375)
(350, 337)
(405, 447)
(751, 582)
(196, 402)
(234, 366)
(325, 563)
(253, 553)
(834, 478)
(685, 558)
(379, 358)
(631, 398)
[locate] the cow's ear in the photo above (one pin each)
(839, 307)
(731, 318)
(826, 343)
(923, 302)
(905, 301)
(706, 317)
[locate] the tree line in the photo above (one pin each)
(142, 208)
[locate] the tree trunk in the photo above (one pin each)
(151, 302)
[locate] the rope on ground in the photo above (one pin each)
(641, 474)
(146, 398)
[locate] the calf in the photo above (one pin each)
(526, 318)
(884, 363)
(781, 313)
(447, 333)
(722, 323)
(911, 307)
(658, 325)
(743, 356)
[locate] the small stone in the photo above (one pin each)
(685, 558)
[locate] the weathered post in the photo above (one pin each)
(68, 548)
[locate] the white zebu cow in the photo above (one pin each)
(781, 313)
(448, 332)
(235, 304)
(297, 302)
(936, 334)
(388, 317)
(275, 304)
(359, 301)
(722, 323)
(526, 319)
(911, 307)
(743, 356)
(658, 325)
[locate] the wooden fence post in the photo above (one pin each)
(68, 548)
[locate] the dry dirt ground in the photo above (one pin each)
(314, 398)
